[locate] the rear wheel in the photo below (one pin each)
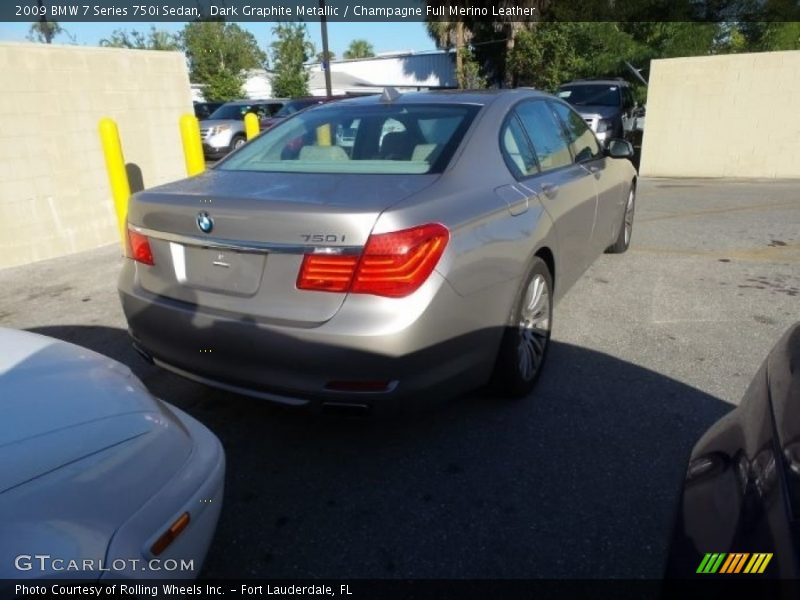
(624, 238)
(523, 349)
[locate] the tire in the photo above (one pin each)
(237, 142)
(523, 349)
(623, 241)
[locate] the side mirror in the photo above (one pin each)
(619, 149)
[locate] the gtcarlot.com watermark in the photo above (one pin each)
(45, 563)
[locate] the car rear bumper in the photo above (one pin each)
(446, 349)
(197, 489)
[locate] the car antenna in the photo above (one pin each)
(389, 94)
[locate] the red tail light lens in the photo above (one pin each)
(393, 264)
(326, 273)
(397, 264)
(139, 248)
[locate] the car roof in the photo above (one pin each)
(620, 82)
(480, 97)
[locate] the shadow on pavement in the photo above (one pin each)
(578, 480)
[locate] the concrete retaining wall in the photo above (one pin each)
(724, 116)
(54, 193)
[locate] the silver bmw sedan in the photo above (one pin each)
(378, 251)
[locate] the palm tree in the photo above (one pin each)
(359, 49)
(512, 26)
(44, 30)
(451, 34)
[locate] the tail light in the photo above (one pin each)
(327, 273)
(138, 248)
(392, 264)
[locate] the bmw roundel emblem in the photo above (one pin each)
(204, 222)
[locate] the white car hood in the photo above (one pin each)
(83, 445)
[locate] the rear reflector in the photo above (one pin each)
(139, 248)
(392, 264)
(166, 538)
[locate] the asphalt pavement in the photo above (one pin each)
(578, 480)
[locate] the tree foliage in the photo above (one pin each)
(155, 39)
(322, 57)
(44, 31)
(359, 49)
(564, 43)
(219, 53)
(290, 50)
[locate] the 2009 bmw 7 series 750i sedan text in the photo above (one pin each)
(380, 249)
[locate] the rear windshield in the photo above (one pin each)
(597, 94)
(356, 138)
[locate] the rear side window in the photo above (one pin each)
(546, 134)
(584, 144)
(516, 149)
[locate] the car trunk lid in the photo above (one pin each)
(259, 227)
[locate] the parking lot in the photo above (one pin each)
(579, 480)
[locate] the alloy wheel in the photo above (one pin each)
(534, 328)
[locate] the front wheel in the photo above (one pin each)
(624, 237)
(238, 142)
(523, 349)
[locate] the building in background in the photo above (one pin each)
(405, 71)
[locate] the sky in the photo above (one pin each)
(385, 37)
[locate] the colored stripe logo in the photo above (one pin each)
(737, 562)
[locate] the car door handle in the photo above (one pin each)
(550, 190)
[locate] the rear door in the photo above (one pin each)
(566, 189)
(610, 191)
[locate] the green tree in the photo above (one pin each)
(44, 31)
(290, 50)
(155, 39)
(471, 77)
(761, 36)
(219, 53)
(322, 58)
(455, 34)
(544, 58)
(781, 36)
(359, 49)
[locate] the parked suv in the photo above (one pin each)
(607, 105)
(223, 130)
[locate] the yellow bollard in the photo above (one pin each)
(117, 174)
(192, 145)
(251, 126)
(324, 135)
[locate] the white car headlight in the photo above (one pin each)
(219, 129)
(604, 125)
